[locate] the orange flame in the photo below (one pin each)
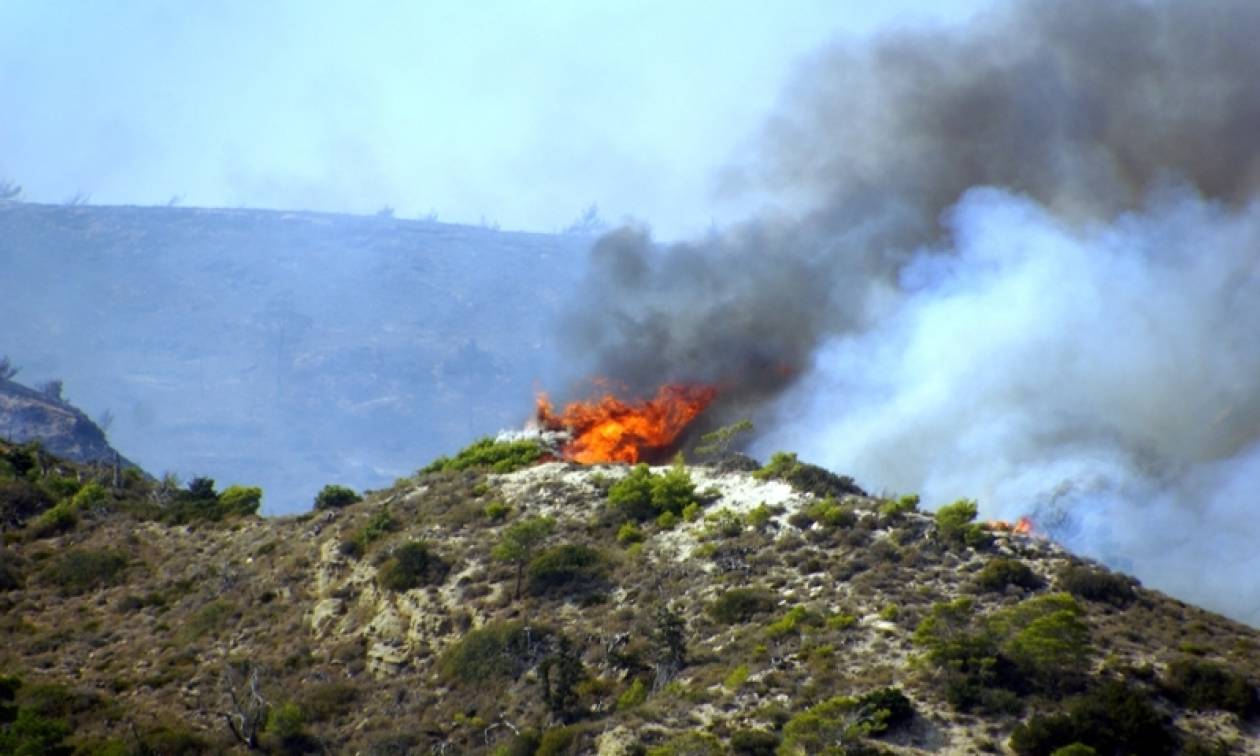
(1022, 526)
(609, 429)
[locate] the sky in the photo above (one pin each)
(516, 114)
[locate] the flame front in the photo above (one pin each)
(609, 429)
(1022, 526)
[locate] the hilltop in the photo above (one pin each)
(496, 602)
(63, 429)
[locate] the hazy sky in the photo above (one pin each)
(521, 113)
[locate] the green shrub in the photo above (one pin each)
(886, 708)
(724, 523)
(739, 605)
(754, 743)
(21, 500)
(666, 520)
(673, 490)
(641, 495)
(1001, 572)
(568, 567)
(519, 542)
(497, 456)
(971, 672)
(633, 696)
(498, 511)
(558, 741)
(629, 533)
(200, 502)
(631, 496)
(831, 514)
(1099, 585)
(893, 509)
(211, 618)
(1201, 684)
(843, 721)
(497, 651)
(759, 516)
(80, 570)
(380, 524)
(12, 576)
(1113, 718)
(807, 478)
(285, 720)
(333, 496)
(240, 501)
(59, 519)
(1046, 639)
(32, 734)
(689, 744)
(736, 678)
(1076, 749)
(956, 526)
(791, 623)
(411, 565)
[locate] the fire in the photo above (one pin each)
(1022, 526)
(609, 429)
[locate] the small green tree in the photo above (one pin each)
(560, 673)
(241, 501)
(333, 496)
(718, 442)
(669, 638)
(519, 542)
(632, 495)
(955, 523)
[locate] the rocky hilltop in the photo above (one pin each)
(497, 602)
(63, 429)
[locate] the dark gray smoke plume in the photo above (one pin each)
(1019, 261)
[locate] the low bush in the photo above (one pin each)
(80, 570)
(754, 743)
(739, 605)
(955, 523)
(568, 567)
(1201, 684)
(411, 565)
(689, 744)
(793, 621)
(1002, 572)
(633, 696)
(1098, 585)
(1112, 718)
(807, 478)
(892, 509)
(497, 511)
(497, 651)
(496, 456)
(12, 574)
(844, 721)
(200, 502)
(333, 496)
(832, 514)
(641, 495)
(211, 618)
(21, 500)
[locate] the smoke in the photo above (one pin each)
(1018, 261)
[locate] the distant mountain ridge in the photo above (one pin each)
(283, 349)
(63, 429)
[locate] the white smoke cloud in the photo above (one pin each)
(1104, 377)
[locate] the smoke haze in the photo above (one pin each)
(1018, 262)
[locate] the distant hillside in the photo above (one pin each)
(706, 610)
(63, 429)
(282, 349)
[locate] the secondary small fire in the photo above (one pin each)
(1022, 526)
(608, 429)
